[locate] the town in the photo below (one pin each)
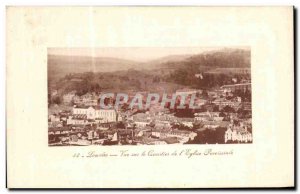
(223, 116)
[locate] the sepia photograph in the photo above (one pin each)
(149, 96)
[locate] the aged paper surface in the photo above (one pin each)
(35, 33)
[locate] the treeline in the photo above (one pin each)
(86, 82)
(209, 136)
(206, 80)
(201, 64)
(168, 74)
(233, 58)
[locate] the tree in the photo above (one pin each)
(187, 112)
(209, 136)
(56, 100)
(222, 114)
(198, 125)
(205, 94)
(125, 106)
(216, 108)
(120, 125)
(226, 118)
(152, 124)
(228, 109)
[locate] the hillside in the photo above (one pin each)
(169, 73)
(60, 65)
(164, 61)
(225, 58)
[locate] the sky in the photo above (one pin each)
(141, 54)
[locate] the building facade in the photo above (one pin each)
(106, 115)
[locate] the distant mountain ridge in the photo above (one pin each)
(225, 58)
(61, 65)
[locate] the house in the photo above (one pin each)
(68, 98)
(151, 141)
(54, 93)
(233, 87)
(247, 106)
(54, 117)
(174, 133)
(162, 124)
(141, 123)
(77, 119)
(55, 124)
(222, 102)
(213, 94)
(237, 133)
(210, 125)
(200, 102)
(215, 124)
(187, 124)
(171, 140)
(199, 75)
(77, 99)
(208, 116)
(58, 131)
(185, 91)
(87, 99)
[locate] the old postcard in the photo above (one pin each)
(150, 97)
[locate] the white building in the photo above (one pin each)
(54, 118)
(208, 116)
(141, 124)
(233, 87)
(78, 119)
(223, 102)
(86, 99)
(185, 91)
(162, 124)
(238, 133)
(106, 115)
(174, 133)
